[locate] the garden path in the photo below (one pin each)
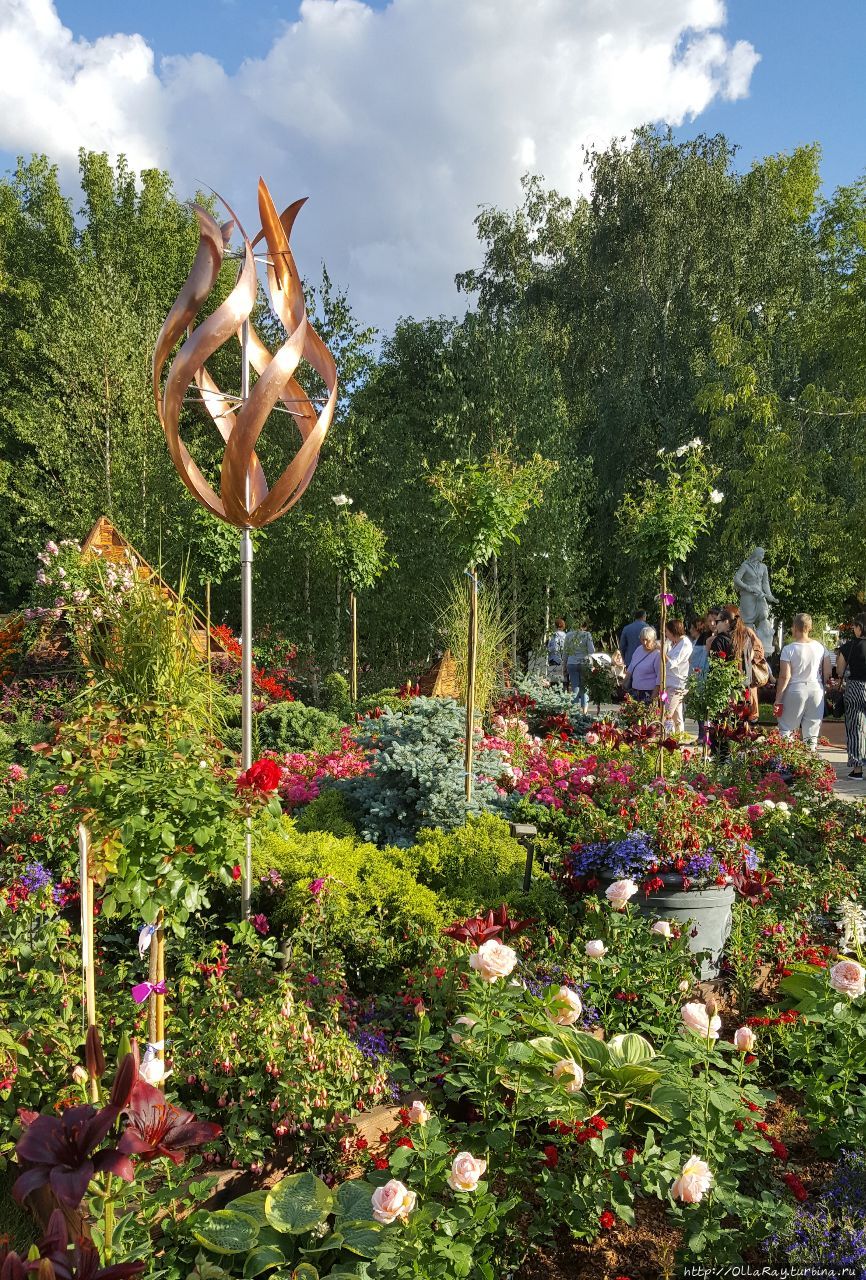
(845, 788)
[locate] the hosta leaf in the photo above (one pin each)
(354, 1199)
(226, 1231)
(630, 1049)
(261, 1258)
(298, 1203)
(253, 1205)
(361, 1238)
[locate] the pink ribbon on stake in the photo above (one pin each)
(142, 990)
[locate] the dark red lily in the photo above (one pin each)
(754, 886)
(478, 929)
(63, 1153)
(156, 1128)
(12, 1265)
(94, 1058)
(82, 1262)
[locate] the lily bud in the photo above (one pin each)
(93, 1056)
(124, 1047)
(124, 1079)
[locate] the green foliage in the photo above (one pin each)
(711, 693)
(298, 1216)
(377, 914)
(329, 812)
(416, 772)
(487, 501)
(355, 545)
(479, 866)
(662, 520)
(293, 726)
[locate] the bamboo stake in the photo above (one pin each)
(470, 677)
(663, 668)
(88, 957)
(209, 670)
(353, 647)
(159, 999)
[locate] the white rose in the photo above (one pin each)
(418, 1113)
(466, 1172)
(392, 1201)
(568, 1072)
(493, 960)
(662, 928)
(619, 893)
(595, 949)
(566, 1007)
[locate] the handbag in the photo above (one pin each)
(760, 673)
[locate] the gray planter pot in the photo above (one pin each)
(709, 911)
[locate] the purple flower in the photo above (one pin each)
(61, 1150)
(35, 877)
(667, 599)
(261, 924)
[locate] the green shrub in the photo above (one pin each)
(335, 696)
(373, 908)
(329, 812)
(292, 726)
(480, 865)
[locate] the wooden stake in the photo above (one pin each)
(158, 945)
(471, 652)
(662, 668)
(88, 957)
(353, 647)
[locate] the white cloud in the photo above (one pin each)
(397, 122)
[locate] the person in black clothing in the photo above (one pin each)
(851, 657)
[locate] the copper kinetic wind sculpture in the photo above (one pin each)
(244, 499)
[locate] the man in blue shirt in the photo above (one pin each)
(630, 636)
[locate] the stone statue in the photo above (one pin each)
(753, 583)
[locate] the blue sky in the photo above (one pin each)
(399, 119)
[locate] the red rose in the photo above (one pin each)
(236, 873)
(262, 776)
(551, 1156)
(607, 1220)
(629, 1154)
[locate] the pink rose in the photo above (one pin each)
(418, 1113)
(566, 1007)
(697, 1018)
(744, 1039)
(662, 928)
(595, 949)
(849, 978)
(466, 1172)
(493, 960)
(570, 1074)
(694, 1181)
(619, 893)
(590, 739)
(467, 1023)
(392, 1201)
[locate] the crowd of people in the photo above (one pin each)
(807, 670)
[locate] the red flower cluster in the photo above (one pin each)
(779, 1020)
(607, 1220)
(478, 929)
(795, 1186)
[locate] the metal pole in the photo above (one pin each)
(246, 643)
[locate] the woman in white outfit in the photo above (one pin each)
(804, 669)
(678, 652)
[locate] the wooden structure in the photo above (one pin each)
(106, 543)
(440, 680)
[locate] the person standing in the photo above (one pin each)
(678, 652)
(644, 670)
(576, 651)
(629, 638)
(555, 671)
(804, 669)
(733, 639)
(851, 657)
